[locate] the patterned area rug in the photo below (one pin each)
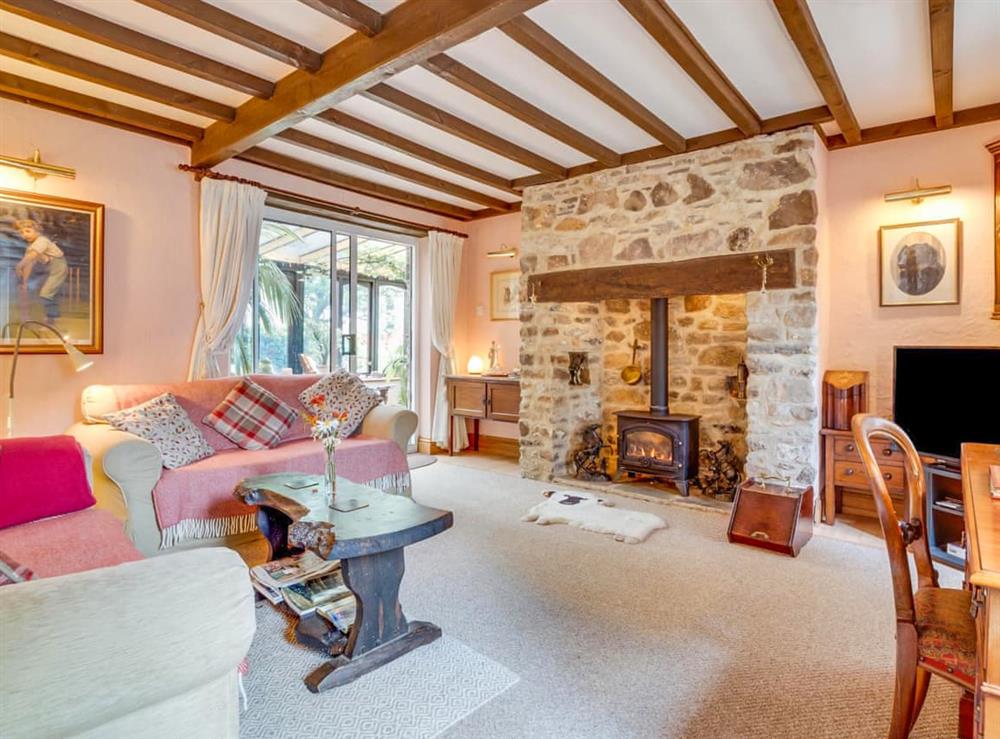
(418, 696)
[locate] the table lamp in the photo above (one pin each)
(80, 363)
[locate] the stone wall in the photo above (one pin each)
(748, 196)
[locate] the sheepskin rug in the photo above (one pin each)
(590, 513)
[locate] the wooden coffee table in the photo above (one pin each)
(369, 543)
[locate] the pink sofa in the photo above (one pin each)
(194, 505)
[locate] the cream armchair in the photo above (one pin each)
(143, 649)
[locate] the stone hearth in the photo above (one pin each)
(749, 196)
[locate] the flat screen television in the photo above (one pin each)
(944, 396)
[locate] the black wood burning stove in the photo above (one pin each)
(656, 442)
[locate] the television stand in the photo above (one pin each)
(945, 520)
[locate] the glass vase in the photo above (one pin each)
(330, 474)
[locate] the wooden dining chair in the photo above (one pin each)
(935, 633)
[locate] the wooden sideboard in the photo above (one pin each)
(982, 569)
(845, 482)
(478, 397)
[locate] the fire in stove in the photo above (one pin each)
(644, 445)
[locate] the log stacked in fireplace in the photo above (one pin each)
(657, 442)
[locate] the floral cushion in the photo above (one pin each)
(251, 417)
(337, 393)
(163, 423)
(946, 633)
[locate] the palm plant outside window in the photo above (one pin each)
(305, 316)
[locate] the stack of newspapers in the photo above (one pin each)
(307, 584)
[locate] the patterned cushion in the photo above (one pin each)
(946, 633)
(341, 392)
(251, 417)
(163, 423)
(12, 571)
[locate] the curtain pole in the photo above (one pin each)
(201, 172)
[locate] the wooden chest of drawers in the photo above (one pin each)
(478, 397)
(845, 483)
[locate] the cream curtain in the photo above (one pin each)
(446, 260)
(229, 230)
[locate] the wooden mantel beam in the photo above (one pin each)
(411, 33)
(352, 13)
(669, 32)
(730, 273)
(799, 23)
(942, 18)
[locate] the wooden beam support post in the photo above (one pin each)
(210, 18)
(942, 18)
(412, 32)
(669, 32)
(548, 48)
(70, 20)
(730, 273)
(485, 89)
(802, 28)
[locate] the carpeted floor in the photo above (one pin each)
(415, 697)
(682, 636)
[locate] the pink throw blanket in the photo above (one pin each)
(203, 491)
(40, 477)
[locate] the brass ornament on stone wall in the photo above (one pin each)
(632, 373)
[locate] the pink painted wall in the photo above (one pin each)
(151, 288)
(860, 334)
(475, 330)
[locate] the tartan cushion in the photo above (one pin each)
(251, 417)
(12, 572)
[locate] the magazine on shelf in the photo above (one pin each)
(305, 597)
(341, 612)
(952, 503)
(290, 570)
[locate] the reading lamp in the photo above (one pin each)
(80, 363)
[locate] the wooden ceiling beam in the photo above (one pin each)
(472, 82)
(405, 146)
(332, 148)
(669, 32)
(917, 126)
(942, 18)
(70, 20)
(546, 47)
(799, 23)
(210, 18)
(15, 87)
(810, 116)
(310, 171)
(84, 69)
(411, 33)
(444, 121)
(352, 13)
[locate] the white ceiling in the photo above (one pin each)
(880, 48)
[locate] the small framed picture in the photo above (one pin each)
(920, 263)
(504, 300)
(51, 271)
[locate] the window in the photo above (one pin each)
(307, 315)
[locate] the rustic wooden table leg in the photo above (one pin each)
(273, 524)
(381, 632)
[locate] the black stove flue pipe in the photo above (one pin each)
(659, 403)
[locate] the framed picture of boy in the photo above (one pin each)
(51, 271)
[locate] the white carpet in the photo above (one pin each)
(415, 697)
